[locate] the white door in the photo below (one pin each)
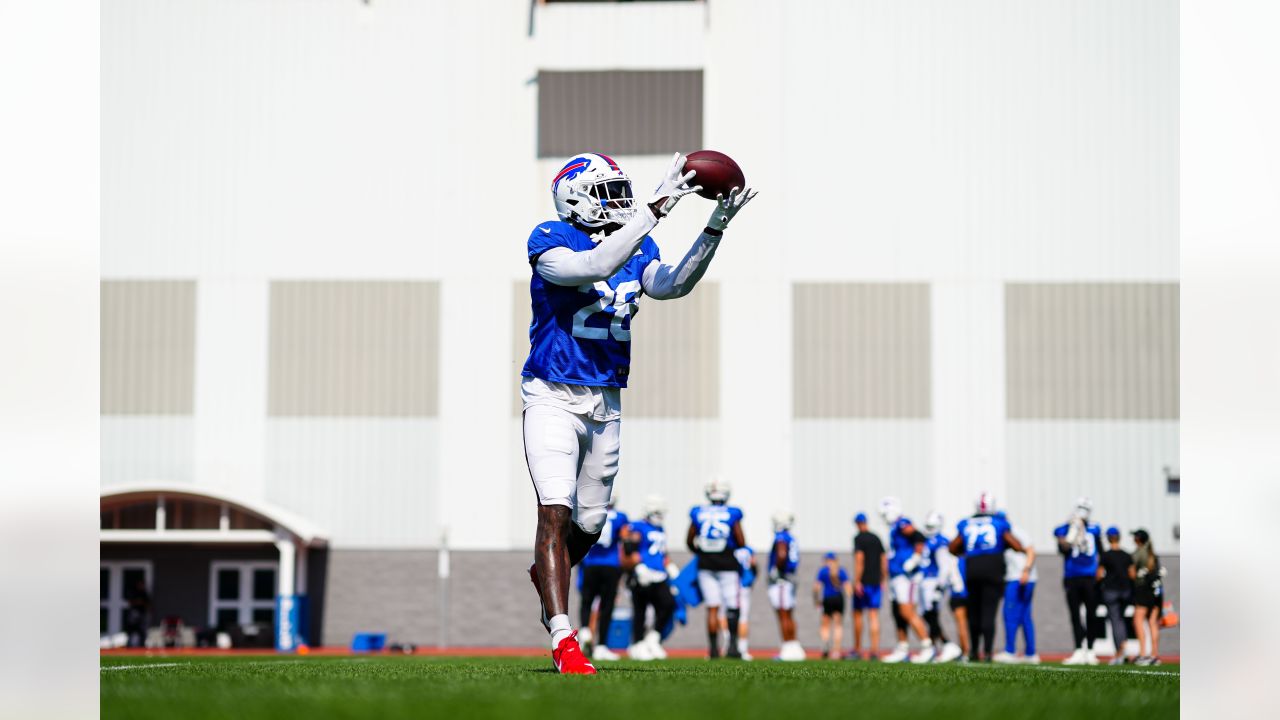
(117, 582)
(242, 592)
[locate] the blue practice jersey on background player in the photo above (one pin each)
(582, 335)
(605, 551)
(901, 546)
(983, 534)
(715, 526)
(1082, 562)
(963, 592)
(744, 555)
(652, 546)
(793, 553)
(830, 587)
(932, 546)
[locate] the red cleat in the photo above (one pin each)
(569, 659)
(537, 587)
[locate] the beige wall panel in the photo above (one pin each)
(630, 112)
(675, 357)
(148, 347)
(1092, 351)
(861, 350)
(354, 349)
(675, 354)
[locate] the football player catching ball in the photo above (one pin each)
(589, 270)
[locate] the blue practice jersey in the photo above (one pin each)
(792, 554)
(715, 527)
(582, 335)
(959, 589)
(605, 551)
(744, 556)
(932, 546)
(983, 534)
(653, 544)
(1083, 560)
(832, 587)
(901, 546)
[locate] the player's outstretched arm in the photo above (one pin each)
(563, 266)
(667, 282)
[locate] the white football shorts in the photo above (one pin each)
(720, 587)
(782, 595)
(744, 602)
(929, 593)
(904, 590)
(573, 460)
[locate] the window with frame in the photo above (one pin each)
(242, 592)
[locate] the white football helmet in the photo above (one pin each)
(655, 508)
(591, 191)
(985, 504)
(613, 499)
(890, 510)
(1084, 506)
(933, 524)
(717, 491)
(783, 520)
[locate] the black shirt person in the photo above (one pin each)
(1116, 588)
(870, 567)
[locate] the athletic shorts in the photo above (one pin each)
(782, 595)
(720, 588)
(928, 594)
(744, 601)
(833, 605)
(959, 601)
(903, 588)
(869, 599)
(572, 461)
(1147, 597)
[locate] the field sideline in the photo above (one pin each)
(247, 687)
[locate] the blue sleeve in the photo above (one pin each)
(844, 576)
(649, 249)
(960, 527)
(1060, 531)
(693, 516)
(822, 574)
(1002, 527)
(541, 241)
(735, 516)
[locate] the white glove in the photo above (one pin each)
(673, 187)
(646, 575)
(727, 207)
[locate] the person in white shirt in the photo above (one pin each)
(1019, 587)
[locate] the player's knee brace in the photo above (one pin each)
(734, 616)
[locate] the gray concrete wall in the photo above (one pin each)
(490, 602)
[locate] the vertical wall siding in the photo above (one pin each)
(148, 347)
(861, 350)
(619, 112)
(1092, 351)
(346, 349)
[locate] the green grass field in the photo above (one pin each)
(279, 688)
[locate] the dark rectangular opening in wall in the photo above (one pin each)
(619, 112)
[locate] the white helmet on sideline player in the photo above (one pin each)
(985, 504)
(933, 524)
(1084, 506)
(783, 520)
(717, 491)
(654, 509)
(890, 510)
(591, 191)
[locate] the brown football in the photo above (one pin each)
(717, 173)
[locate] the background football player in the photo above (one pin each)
(589, 270)
(601, 570)
(647, 547)
(982, 538)
(830, 588)
(1019, 589)
(784, 560)
(1080, 543)
(930, 593)
(747, 561)
(870, 570)
(906, 548)
(715, 531)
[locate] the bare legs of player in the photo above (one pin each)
(962, 629)
(909, 614)
(713, 630)
(873, 637)
(786, 625)
(559, 545)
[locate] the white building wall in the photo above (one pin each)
(963, 145)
